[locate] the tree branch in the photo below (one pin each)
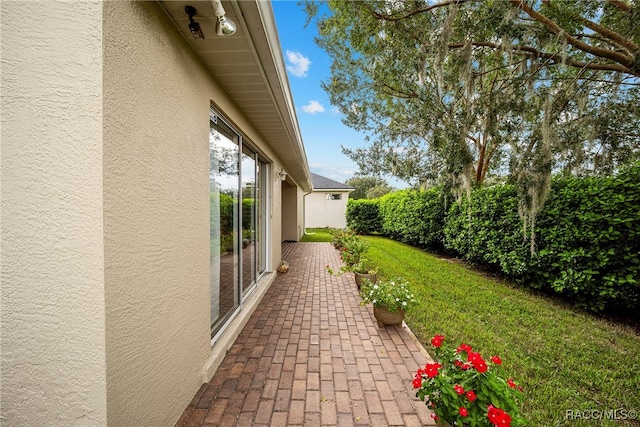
(386, 17)
(557, 58)
(614, 37)
(620, 4)
(397, 92)
(624, 60)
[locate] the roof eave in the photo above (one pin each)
(262, 28)
(252, 73)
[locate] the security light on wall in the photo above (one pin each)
(282, 175)
(194, 27)
(224, 26)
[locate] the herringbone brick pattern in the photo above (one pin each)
(312, 356)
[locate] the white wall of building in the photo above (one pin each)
(321, 213)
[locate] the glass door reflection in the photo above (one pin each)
(249, 218)
(224, 176)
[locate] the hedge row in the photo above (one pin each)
(587, 238)
(364, 216)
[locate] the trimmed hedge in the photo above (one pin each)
(587, 239)
(414, 217)
(487, 230)
(587, 236)
(363, 216)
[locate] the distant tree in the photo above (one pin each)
(379, 191)
(367, 187)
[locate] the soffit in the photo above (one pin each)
(250, 68)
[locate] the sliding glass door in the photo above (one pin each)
(249, 218)
(238, 193)
(224, 174)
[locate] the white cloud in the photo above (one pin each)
(297, 63)
(313, 107)
(336, 173)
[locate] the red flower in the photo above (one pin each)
(513, 384)
(498, 417)
(434, 416)
(471, 356)
(471, 395)
(463, 411)
(480, 366)
(464, 347)
(431, 369)
(417, 379)
(463, 366)
(458, 389)
(496, 360)
(437, 340)
(477, 361)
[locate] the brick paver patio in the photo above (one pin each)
(311, 355)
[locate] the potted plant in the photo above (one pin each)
(352, 250)
(391, 298)
(362, 270)
(462, 389)
(339, 235)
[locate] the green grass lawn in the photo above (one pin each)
(564, 358)
(316, 235)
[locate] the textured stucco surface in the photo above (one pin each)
(156, 110)
(321, 212)
(289, 213)
(52, 291)
(156, 206)
(105, 221)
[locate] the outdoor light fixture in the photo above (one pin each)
(194, 27)
(282, 175)
(224, 26)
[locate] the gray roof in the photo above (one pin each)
(322, 183)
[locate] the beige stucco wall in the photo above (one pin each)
(156, 200)
(52, 292)
(104, 185)
(289, 212)
(321, 212)
(300, 210)
(156, 221)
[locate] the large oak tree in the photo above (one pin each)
(467, 89)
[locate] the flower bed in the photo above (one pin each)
(461, 389)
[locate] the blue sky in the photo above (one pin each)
(307, 66)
